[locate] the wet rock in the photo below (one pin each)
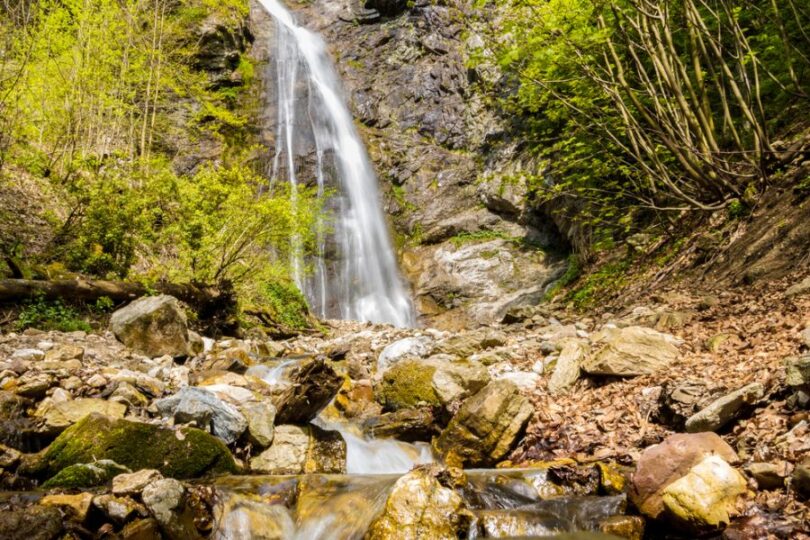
(142, 529)
(435, 381)
(630, 351)
(181, 453)
(85, 475)
(261, 418)
(419, 506)
(206, 411)
(233, 359)
(9, 457)
(297, 450)
(133, 483)
(33, 523)
(628, 527)
(58, 416)
(725, 409)
(407, 425)
(245, 519)
(486, 427)
(800, 480)
(118, 509)
(76, 505)
(567, 369)
(165, 499)
(687, 478)
(313, 384)
(516, 523)
(152, 325)
(413, 347)
(768, 475)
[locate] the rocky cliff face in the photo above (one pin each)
(470, 244)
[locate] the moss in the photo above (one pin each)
(408, 384)
(287, 305)
(184, 453)
(85, 475)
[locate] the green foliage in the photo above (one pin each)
(50, 315)
(737, 209)
(285, 304)
(636, 107)
(609, 278)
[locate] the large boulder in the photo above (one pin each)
(436, 381)
(152, 325)
(486, 427)
(630, 351)
(302, 450)
(85, 475)
(420, 506)
(567, 369)
(404, 425)
(313, 384)
(688, 480)
(206, 411)
(181, 453)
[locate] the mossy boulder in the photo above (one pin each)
(406, 385)
(181, 453)
(85, 475)
(438, 381)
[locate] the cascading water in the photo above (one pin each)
(359, 279)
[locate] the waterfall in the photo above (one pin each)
(359, 280)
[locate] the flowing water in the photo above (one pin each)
(355, 273)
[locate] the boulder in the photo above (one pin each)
(412, 347)
(420, 506)
(486, 427)
(181, 453)
(77, 506)
(725, 409)
(404, 425)
(688, 479)
(313, 384)
(768, 475)
(133, 483)
(166, 499)
(246, 519)
(152, 325)
(64, 353)
(118, 509)
(302, 450)
(206, 411)
(706, 496)
(33, 523)
(58, 416)
(680, 400)
(630, 351)
(435, 381)
(567, 369)
(85, 475)
(261, 417)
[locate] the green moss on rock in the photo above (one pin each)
(408, 384)
(183, 453)
(85, 475)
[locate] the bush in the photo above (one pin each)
(45, 315)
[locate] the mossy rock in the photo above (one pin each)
(408, 384)
(85, 475)
(182, 453)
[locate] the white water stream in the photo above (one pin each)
(359, 279)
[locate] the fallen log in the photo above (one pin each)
(214, 305)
